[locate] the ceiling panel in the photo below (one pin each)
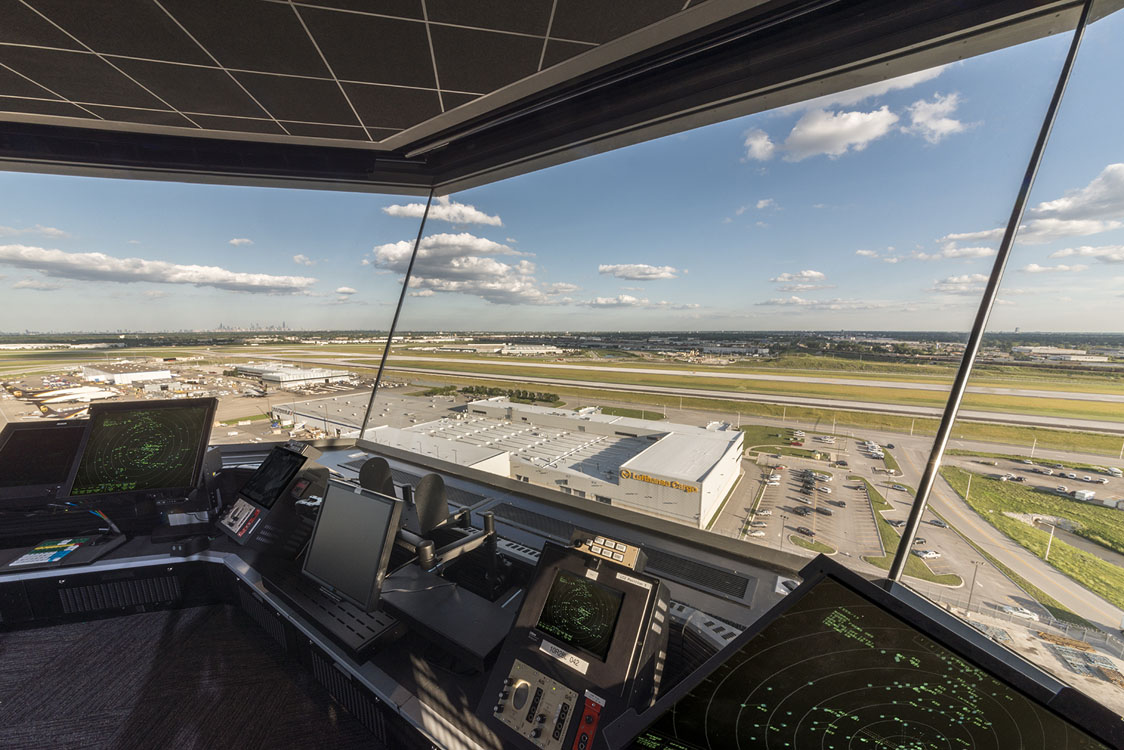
(250, 35)
(600, 22)
(453, 100)
(479, 61)
(213, 122)
(193, 89)
(13, 84)
(303, 99)
(22, 25)
(372, 49)
(77, 76)
(39, 107)
(557, 51)
(523, 16)
(133, 28)
(325, 131)
(399, 8)
(141, 116)
(391, 107)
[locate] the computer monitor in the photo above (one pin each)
(350, 547)
(143, 446)
(271, 478)
(839, 663)
(581, 613)
(36, 457)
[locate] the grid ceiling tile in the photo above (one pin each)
(557, 51)
(312, 130)
(12, 84)
(192, 89)
(250, 35)
(453, 100)
(141, 116)
(305, 99)
(135, 28)
(391, 107)
(599, 21)
(22, 25)
(482, 61)
(372, 50)
(213, 122)
(523, 16)
(399, 8)
(77, 76)
(39, 107)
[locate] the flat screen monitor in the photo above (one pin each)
(581, 613)
(37, 456)
(143, 446)
(275, 473)
(836, 669)
(350, 546)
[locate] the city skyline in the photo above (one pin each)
(876, 209)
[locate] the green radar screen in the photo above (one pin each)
(140, 450)
(837, 672)
(581, 613)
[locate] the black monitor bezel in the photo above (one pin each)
(388, 543)
(945, 630)
(96, 410)
(51, 489)
(284, 448)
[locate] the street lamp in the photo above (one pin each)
(784, 519)
(976, 569)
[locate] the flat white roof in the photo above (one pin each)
(684, 456)
(463, 454)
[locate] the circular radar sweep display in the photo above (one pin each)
(140, 450)
(581, 613)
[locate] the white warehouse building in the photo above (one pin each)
(678, 472)
(125, 373)
(289, 376)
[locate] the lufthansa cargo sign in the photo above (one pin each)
(626, 474)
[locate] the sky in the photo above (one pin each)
(875, 209)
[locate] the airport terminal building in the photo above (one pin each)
(678, 472)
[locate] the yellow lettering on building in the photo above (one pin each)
(626, 474)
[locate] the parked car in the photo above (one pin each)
(824, 511)
(927, 554)
(801, 511)
(1019, 479)
(757, 532)
(939, 523)
(919, 540)
(804, 500)
(840, 462)
(896, 524)
(1070, 475)
(1103, 480)
(1028, 462)
(1062, 489)
(826, 490)
(841, 503)
(1022, 612)
(805, 531)
(899, 487)
(766, 512)
(774, 477)
(1087, 479)
(773, 483)
(889, 446)
(1047, 472)
(757, 524)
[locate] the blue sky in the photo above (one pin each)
(874, 209)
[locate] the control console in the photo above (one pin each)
(588, 643)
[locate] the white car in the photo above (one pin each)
(1061, 488)
(1022, 612)
(1047, 472)
(1070, 475)
(1103, 480)
(765, 512)
(758, 524)
(927, 554)
(773, 483)
(774, 477)
(757, 532)
(1087, 479)
(826, 490)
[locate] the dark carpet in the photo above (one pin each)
(205, 677)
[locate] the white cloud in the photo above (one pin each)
(627, 300)
(1060, 268)
(638, 271)
(870, 90)
(423, 293)
(42, 286)
(102, 267)
(820, 132)
(1040, 231)
(891, 259)
(38, 229)
(804, 287)
(805, 275)
(968, 283)
(931, 119)
(444, 209)
(346, 290)
(761, 224)
(950, 251)
(435, 250)
(986, 234)
(560, 287)
(303, 260)
(134, 242)
(766, 203)
(866, 253)
(1103, 254)
(239, 241)
(758, 145)
(155, 294)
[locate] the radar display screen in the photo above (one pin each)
(581, 613)
(144, 446)
(272, 477)
(38, 454)
(838, 672)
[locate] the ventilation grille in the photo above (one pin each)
(404, 477)
(529, 519)
(287, 540)
(689, 571)
(357, 701)
(119, 594)
(264, 616)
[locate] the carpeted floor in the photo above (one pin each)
(205, 678)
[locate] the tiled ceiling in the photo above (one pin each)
(346, 70)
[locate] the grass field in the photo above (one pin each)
(914, 566)
(618, 411)
(802, 541)
(891, 463)
(1009, 457)
(990, 498)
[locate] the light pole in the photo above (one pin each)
(1033, 446)
(976, 565)
(1049, 543)
(784, 520)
